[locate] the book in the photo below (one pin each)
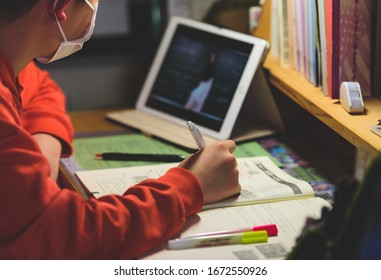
(284, 50)
(289, 216)
(275, 32)
(377, 55)
(312, 61)
(299, 36)
(269, 195)
(292, 34)
(86, 147)
(328, 41)
(261, 181)
(332, 29)
(355, 43)
(349, 33)
(317, 49)
(323, 44)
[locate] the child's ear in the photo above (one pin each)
(59, 9)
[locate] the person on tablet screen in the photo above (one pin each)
(199, 94)
(41, 220)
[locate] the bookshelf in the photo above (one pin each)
(353, 128)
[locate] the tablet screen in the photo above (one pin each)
(199, 76)
(201, 73)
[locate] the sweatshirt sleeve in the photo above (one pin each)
(44, 105)
(41, 221)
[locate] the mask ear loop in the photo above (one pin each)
(90, 5)
(92, 24)
(58, 23)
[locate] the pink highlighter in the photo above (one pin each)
(271, 229)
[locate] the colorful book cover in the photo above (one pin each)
(328, 31)
(335, 29)
(284, 51)
(297, 167)
(323, 44)
(376, 90)
(299, 35)
(356, 42)
(312, 59)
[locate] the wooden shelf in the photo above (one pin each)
(354, 128)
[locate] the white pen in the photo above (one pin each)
(197, 136)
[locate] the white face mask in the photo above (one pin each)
(66, 47)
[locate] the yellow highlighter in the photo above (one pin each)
(247, 237)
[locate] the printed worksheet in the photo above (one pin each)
(260, 178)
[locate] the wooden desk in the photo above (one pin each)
(322, 148)
(93, 121)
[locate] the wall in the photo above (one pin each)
(99, 81)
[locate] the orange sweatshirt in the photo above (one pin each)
(39, 220)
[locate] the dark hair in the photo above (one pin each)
(11, 10)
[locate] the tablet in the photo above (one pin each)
(200, 73)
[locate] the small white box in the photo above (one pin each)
(351, 97)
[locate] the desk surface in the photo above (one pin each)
(93, 121)
(323, 149)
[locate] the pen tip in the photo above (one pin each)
(98, 155)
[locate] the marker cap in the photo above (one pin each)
(271, 229)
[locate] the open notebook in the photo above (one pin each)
(203, 73)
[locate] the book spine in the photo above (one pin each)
(356, 43)
(335, 49)
(328, 30)
(377, 54)
(320, 11)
